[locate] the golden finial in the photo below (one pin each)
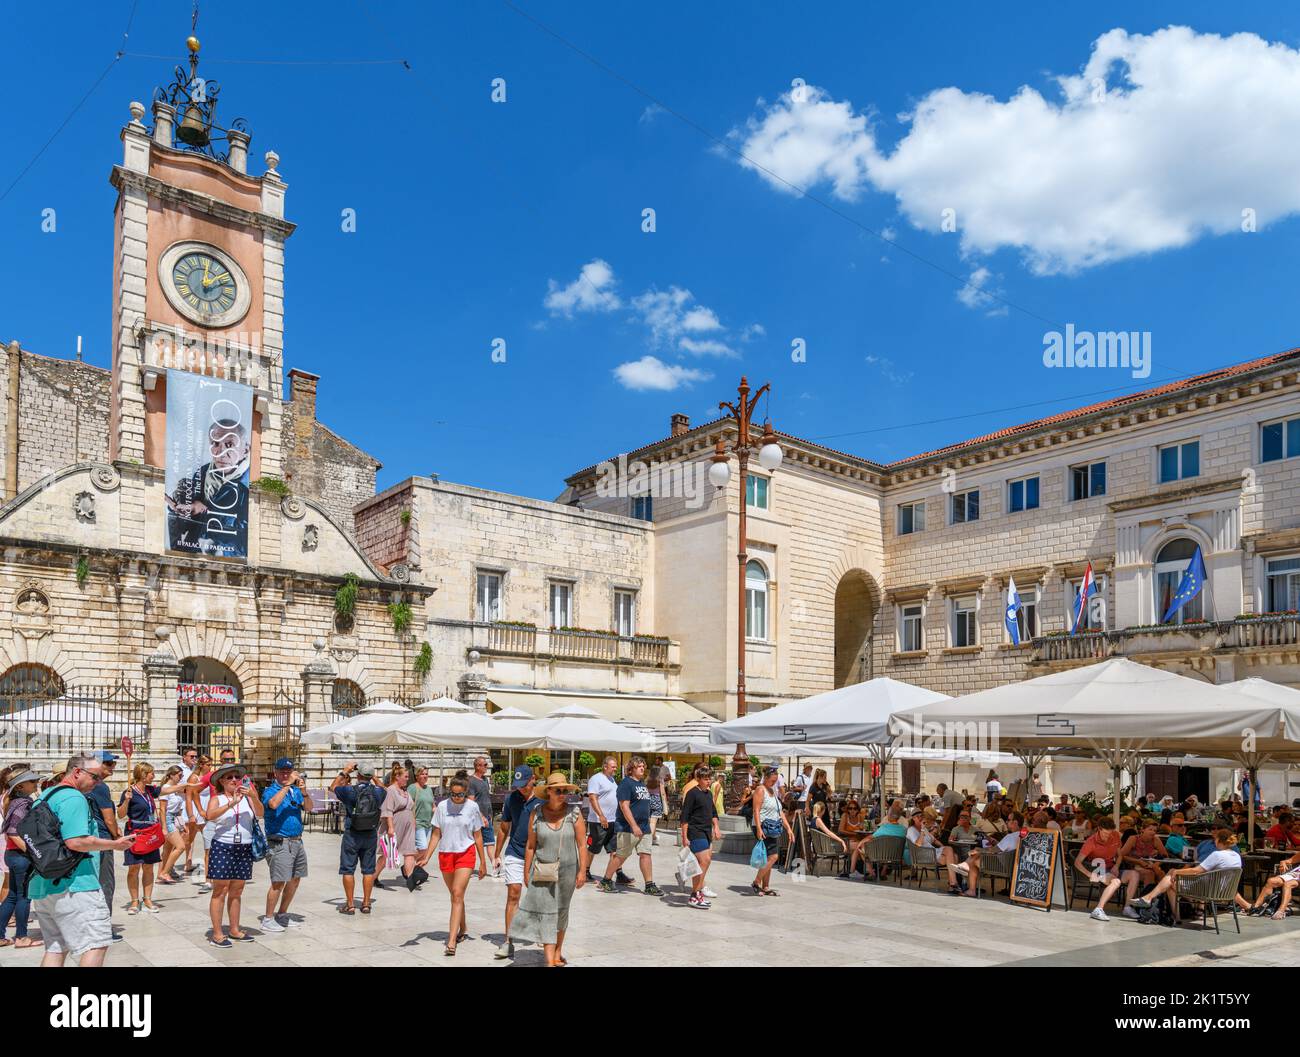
(193, 44)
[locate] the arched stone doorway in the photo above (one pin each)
(209, 707)
(855, 616)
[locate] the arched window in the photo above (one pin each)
(209, 709)
(26, 686)
(347, 697)
(755, 601)
(1171, 563)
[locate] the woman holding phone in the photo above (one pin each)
(232, 809)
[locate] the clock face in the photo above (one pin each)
(205, 284)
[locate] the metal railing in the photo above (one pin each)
(1253, 633)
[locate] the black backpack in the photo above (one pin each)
(365, 813)
(42, 832)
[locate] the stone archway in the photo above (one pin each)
(855, 618)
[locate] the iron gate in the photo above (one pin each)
(288, 714)
(42, 717)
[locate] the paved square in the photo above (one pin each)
(819, 921)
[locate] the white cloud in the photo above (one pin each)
(700, 319)
(976, 293)
(708, 347)
(651, 112)
(591, 291)
(1162, 139)
(649, 372)
(886, 368)
(673, 315)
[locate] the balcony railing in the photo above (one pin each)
(505, 638)
(1260, 633)
(591, 646)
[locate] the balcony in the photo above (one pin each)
(592, 647)
(1272, 636)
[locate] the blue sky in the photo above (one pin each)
(475, 219)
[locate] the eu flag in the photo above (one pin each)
(1189, 587)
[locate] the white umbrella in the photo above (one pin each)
(511, 713)
(74, 725)
(374, 718)
(263, 728)
(575, 727)
(450, 724)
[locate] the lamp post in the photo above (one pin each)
(769, 457)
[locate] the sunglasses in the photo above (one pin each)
(458, 795)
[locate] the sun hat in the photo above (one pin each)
(225, 771)
(20, 778)
(558, 780)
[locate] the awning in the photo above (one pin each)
(632, 709)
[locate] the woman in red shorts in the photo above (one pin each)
(457, 837)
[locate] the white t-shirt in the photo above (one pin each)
(920, 836)
(1221, 859)
(802, 783)
(234, 826)
(1010, 842)
(993, 785)
(457, 824)
(606, 791)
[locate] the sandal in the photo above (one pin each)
(770, 892)
(449, 951)
(152, 908)
(23, 942)
(365, 908)
(6, 943)
(757, 891)
(132, 909)
(347, 910)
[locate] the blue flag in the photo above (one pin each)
(1013, 608)
(1189, 587)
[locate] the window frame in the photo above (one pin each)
(1024, 483)
(1072, 595)
(757, 602)
(905, 618)
(630, 594)
(959, 611)
(1180, 447)
(754, 480)
(1289, 427)
(642, 507)
(480, 611)
(1089, 476)
(1267, 600)
(1029, 603)
(915, 507)
(552, 587)
(964, 495)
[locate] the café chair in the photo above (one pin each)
(885, 852)
(1209, 891)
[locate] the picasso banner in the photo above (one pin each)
(209, 447)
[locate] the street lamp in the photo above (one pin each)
(769, 457)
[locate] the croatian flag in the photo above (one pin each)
(1013, 608)
(1086, 590)
(1190, 585)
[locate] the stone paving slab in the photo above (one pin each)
(816, 921)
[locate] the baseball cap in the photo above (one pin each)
(365, 770)
(104, 756)
(284, 764)
(521, 776)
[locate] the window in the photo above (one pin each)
(625, 613)
(487, 598)
(911, 518)
(1178, 461)
(755, 601)
(756, 492)
(1022, 495)
(965, 507)
(1093, 616)
(1279, 440)
(643, 507)
(910, 638)
(1172, 561)
(1087, 481)
(1283, 578)
(963, 622)
(561, 605)
(1027, 617)
(347, 697)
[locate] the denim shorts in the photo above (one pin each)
(422, 835)
(489, 835)
(700, 844)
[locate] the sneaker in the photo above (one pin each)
(652, 889)
(1129, 912)
(288, 921)
(1141, 903)
(624, 880)
(117, 937)
(699, 902)
(605, 886)
(708, 893)
(1098, 915)
(592, 879)
(271, 925)
(502, 953)
(204, 886)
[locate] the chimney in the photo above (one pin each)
(680, 424)
(303, 397)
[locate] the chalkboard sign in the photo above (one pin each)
(1034, 874)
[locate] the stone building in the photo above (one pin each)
(107, 631)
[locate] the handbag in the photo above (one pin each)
(546, 873)
(259, 841)
(148, 838)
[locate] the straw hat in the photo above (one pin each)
(558, 780)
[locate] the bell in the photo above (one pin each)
(192, 129)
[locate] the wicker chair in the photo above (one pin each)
(883, 852)
(826, 853)
(924, 860)
(996, 864)
(1209, 890)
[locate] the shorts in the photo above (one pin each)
(656, 806)
(512, 870)
(630, 844)
(422, 835)
(358, 848)
(230, 862)
(600, 838)
(451, 861)
(489, 835)
(74, 922)
(175, 823)
(773, 846)
(700, 844)
(287, 858)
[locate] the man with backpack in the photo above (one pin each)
(361, 809)
(64, 886)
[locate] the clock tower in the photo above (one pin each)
(198, 285)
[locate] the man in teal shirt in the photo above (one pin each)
(73, 915)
